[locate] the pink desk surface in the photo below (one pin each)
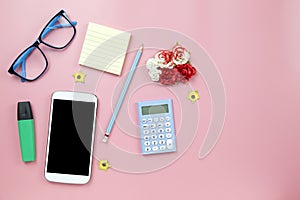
(255, 45)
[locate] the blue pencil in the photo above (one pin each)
(123, 93)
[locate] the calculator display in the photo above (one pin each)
(151, 110)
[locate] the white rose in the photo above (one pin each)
(154, 74)
(154, 77)
(152, 64)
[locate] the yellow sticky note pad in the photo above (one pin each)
(104, 48)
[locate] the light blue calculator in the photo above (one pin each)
(157, 128)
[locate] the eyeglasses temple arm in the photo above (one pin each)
(23, 73)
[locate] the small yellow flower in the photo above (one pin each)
(193, 96)
(79, 77)
(103, 165)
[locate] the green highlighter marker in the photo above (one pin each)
(26, 131)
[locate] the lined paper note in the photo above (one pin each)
(104, 48)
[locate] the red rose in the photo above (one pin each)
(169, 76)
(186, 70)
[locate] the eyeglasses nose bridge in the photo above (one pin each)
(37, 43)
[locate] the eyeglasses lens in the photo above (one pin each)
(58, 33)
(32, 66)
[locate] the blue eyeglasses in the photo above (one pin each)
(32, 62)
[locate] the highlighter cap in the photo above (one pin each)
(24, 111)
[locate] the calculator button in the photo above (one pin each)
(152, 126)
(162, 148)
(147, 137)
(154, 137)
(154, 142)
(170, 144)
(168, 130)
(147, 143)
(160, 125)
(162, 142)
(156, 119)
(161, 119)
(144, 120)
(160, 130)
(153, 131)
(167, 124)
(149, 119)
(155, 148)
(146, 132)
(169, 135)
(145, 126)
(161, 136)
(147, 149)
(167, 118)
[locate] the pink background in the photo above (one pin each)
(255, 45)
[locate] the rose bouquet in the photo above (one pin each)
(170, 67)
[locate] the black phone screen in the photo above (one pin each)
(71, 137)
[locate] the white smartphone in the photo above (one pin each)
(70, 137)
